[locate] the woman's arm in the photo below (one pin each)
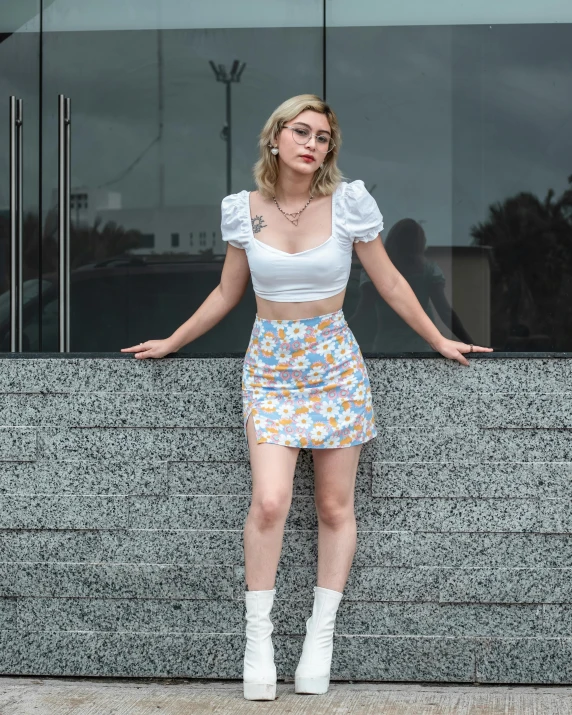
(397, 293)
(227, 294)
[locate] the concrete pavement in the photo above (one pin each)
(114, 696)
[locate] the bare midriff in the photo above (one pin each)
(275, 310)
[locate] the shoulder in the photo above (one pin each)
(352, 190)
(235, 219)
(233, 202)
(355, 198)
(358, 211)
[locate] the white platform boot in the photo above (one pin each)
(313, 671)
(259, 673)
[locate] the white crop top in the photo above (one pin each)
(318, 272)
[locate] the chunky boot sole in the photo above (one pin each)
(317, 686)
(260, 691)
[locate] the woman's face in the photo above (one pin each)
(304, 157)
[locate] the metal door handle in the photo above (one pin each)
(64, 196)
(16, 282)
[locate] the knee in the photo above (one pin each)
(267, 511)
(334, 513)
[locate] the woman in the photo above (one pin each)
(304, 382)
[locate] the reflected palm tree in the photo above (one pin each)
(89, 243)
(532, 268)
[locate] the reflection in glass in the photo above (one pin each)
(405, 245)
(464, 129)
(455, 115)
(149, 165)
(19, 77)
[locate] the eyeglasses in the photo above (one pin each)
(302, 135)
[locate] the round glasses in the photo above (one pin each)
(302, 135)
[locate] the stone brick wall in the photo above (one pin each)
(124, 486)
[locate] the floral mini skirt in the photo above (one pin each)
(306, 384)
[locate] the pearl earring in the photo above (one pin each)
(274, 150)
(322, 165)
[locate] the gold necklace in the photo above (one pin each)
(293, 213)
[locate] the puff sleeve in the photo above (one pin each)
(235, 220)
(361, 216)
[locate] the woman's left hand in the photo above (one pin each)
(454, 350)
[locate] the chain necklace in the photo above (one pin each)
(296, 214)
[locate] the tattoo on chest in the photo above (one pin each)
(257, 224)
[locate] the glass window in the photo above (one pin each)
(456, 117)
(151, 85)
(454, 114)
(146, 240)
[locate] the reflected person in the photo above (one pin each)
(405, 245)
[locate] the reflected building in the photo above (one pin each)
(174, 229)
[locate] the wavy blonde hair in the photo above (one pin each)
(266, 171)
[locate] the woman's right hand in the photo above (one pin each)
(151, 349)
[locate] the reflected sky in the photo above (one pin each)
(439, 121)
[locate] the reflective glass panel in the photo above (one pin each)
(20, 78)
(455, 115)
(151, 123)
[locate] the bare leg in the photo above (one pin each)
(273, 468)
(335, 476)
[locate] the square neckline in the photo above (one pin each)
(279, 250)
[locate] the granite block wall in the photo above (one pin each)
(124, 486)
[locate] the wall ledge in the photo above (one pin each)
(369, 356)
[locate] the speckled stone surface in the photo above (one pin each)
(125, 485)
(444, 659)
(23, 511)
(468, 479)
(142, 443)
(124, 654)
(441, 619)
(124, 409)
(113, 580)
(485, 550)
(557, 619)
(130, 614)
(8, 614)
(516, 585)
(18, 442)
(463, 514)
(60, 476)
(524, 660)
(208, 655)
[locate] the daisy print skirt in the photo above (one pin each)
(306, 384)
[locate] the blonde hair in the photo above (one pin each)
(266, 171)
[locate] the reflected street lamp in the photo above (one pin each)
(234, 76)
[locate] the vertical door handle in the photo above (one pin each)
(64, 196)
(16, 278)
